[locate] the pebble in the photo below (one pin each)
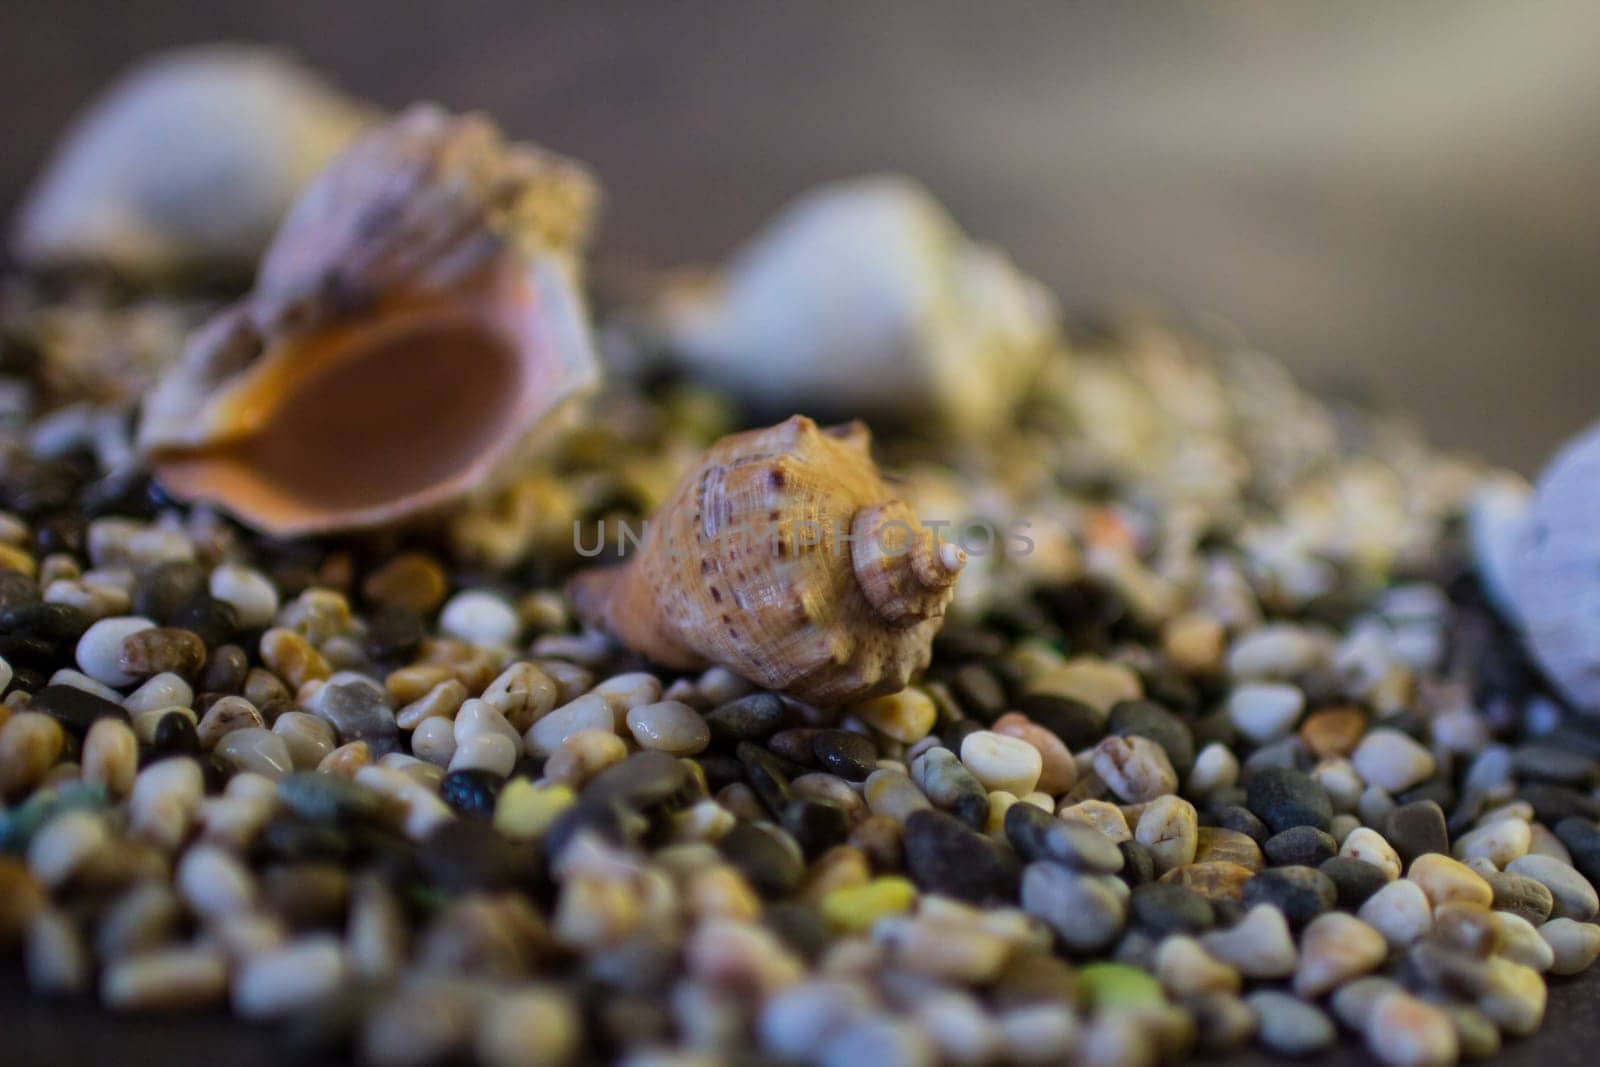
(357, 711)
(1218, 882)
(891, 793)
(308, 738)
(1265, 711)
(1407, 1032)
(250, 593)
(1333, 732)
(1145, 718)
(497, 753)
(1392, 760)
(1499, 841)
(177, 978)
(1573, 944)
(907, 716)
(1167, 909)
(1443, 879)
(1100, 816)
(1284, 798)
(276, 983)
(1169, 828)
(482, 618)
(224, 717)
(1188, 970)
(1289, 1026)
(1520, 942)
(1258, 945)
(29, 745)
(1001, 762)
(1214, 844)
(1400, 911)
(1301, 893)
(943, 856)
(669, 726)
(256, 750)
(1036, 835)
(164, 690)
(1299, 846)
(1515, 998)
(1354, 880)
(849, 755)
(857, 909)
(1334, 949)
(1077, 724)
(55, 958)
(1572, 895)
(584, 713)
(1215, 768)
(1417, 828)
(1135, 768)
(1369, 846)
(111, 756)
(99, 650)
(1058, 771)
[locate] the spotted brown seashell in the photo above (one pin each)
(190, 160)
(415, 328)
(784, 557)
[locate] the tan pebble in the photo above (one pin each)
(1330, 732)
(1100, 815)
(292, 658)
(1214, 844)
(410, 684)
(1335, 948)
(30, 742)
(1168, 827)
(1407, 1032)
(1135, 768)
(907, 716)
(1572, 945)
(308, 738)
(442, 701)
(225, 716)
(1516, 997)
(1216, 881)
(410, 580)
(20, 899)
(841, 867)
(528, 1027)
(346, 760)
(1058, 770)
(166, 979)
(1095, 682)
(720, 891)
(669, 726)
(583, 755)
(1499, 841)
(1521, 942)
(262, 687)
(1186, 969)
(1444, 879)
(524, 694)
(111, 756)
(1194, 642)
(1469, 928)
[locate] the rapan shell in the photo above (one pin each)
(416, 327)
(784, 557)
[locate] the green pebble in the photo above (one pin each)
(1110, 986)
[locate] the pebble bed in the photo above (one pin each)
(1238, 753)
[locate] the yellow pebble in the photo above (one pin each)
(907, 716)
(855, 909)
(1443, 880)
(525, 811)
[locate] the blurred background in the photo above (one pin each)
(1398, 200)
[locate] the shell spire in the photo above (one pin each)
(416, 320)
(783, 556)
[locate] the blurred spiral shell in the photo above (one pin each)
(864, 298)
(784, 557)
(188, 161)
(415, 327)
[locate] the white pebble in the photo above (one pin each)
(277, 983)
(588, 712)
(1215, 767)
(165, 690)
(1399, 911)
(65, 845)
(485, 752)
(256, 749)
(626, 691)
(308, 738)
(1258, 946)
(669, 726)
(1369, 846)
(1499, 841)
(475, 717)
(1265, 711)
(214, 883)
(79, 680)
(99, 650)
(1392, 760)
(1001, 762)
(1573, 945)
(481, 617)
(249, 592)
(434, 741)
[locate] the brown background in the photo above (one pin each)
(1397, 199)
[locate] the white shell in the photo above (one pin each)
(864, 297)
(1557, 572)
(191, 158)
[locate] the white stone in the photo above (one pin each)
(481, 617)
(99, 650)
(248, 592)
(1265, 711)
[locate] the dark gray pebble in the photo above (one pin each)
(1300, 846)
(769, 865)
(357, 712)
(1242, 819)
(795, 744)
(979, 692)
(1582, 838)
(1076, 723)
(767, 774)
(1553, 803)
(816, 825)
(941, 775)
(1417, 828)
(75, 709)
(1138, 865)
(943, 856)
(1284, 798)
(225, 670)
(1172, 909)
(1301, 893)
(1354, 880)
(174, 736)
(1559, 765)
(470, 856)
(749, 718)
(327, 798)
(798, 927)
(1437, 791)
(645, 781)
(849, 755)
(163, 590)
(1145, 718)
